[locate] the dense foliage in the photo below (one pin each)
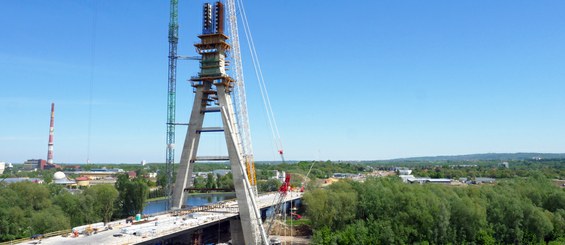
(133, 194)
(319, 169)
(28, 208)
(551, 168)
(387, 211)
(215, 181)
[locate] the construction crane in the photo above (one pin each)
(171, 98)
(240, 101)
(258, 73)
(283, 190)
(281, 153)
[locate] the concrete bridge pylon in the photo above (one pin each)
(213, 94)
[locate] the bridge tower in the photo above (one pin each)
(213, 94)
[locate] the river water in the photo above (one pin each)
(193, 200)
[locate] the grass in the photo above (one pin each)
(302, 221)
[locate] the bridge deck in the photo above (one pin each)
(164, 225)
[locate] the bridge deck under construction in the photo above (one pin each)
(165, 224)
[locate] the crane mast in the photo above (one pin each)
(240, 102)
(171, 97)
(239, 98)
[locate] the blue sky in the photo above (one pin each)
(348, 80)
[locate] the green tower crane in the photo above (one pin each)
(171, 98)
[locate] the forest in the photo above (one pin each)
(523, 207)
(386, 211)
(28, 208)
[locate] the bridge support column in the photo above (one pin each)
(236, 232)
(197, 237)
(264, 214)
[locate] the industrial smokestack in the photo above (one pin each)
(51, 129)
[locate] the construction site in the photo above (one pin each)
(218, 89)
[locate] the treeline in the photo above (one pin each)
(387, 211)
(454, 172)
(215, 181)
(28, 208)
(319, 170)
(552, 169)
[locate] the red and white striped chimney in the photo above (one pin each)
(51, 129)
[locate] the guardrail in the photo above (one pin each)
(46, 235)
(15, 241)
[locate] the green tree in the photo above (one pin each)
(104, 196)
(268, 185)
(211, 181)
(226, 181)
(387, 211)
(333, 208)
(31, 196)
(323, 236)
(132, 195)
(48, 220)
(13, 223)
(199, 182)
(79, 208)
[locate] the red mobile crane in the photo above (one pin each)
(283, 190)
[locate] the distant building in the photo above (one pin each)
(59, 178)
(132, 174)
(221, 172)
(280, 175)
(344, 175)
(83, 181)
(201, 174)
(105, 170)
(404, 171)
(23, 179)
(34, 164)
(439, 181)
(406, 177)
(409, 178)
(276, 174)
(504, 164)
(481, 180)
(429, 181)
(38, 164)
(477, 180)
(98, 174)
(2, 166)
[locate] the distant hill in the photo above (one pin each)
(486, 156)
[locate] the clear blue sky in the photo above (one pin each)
(349, 80)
